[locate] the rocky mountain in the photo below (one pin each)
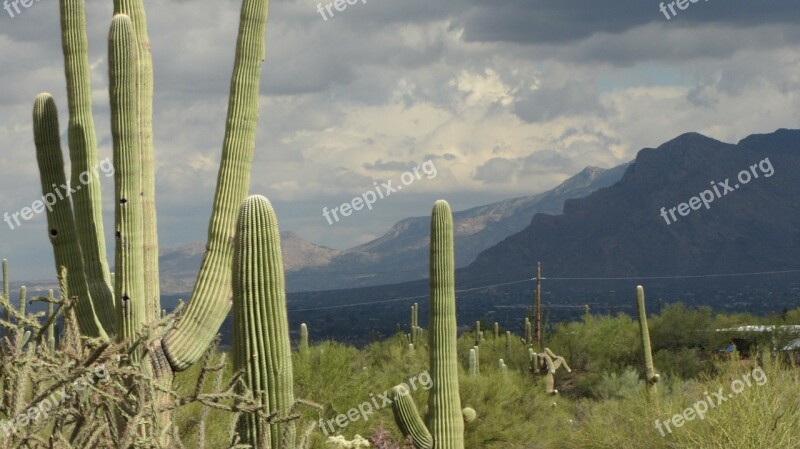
(179, 266)
(402, 253)
(692, 206)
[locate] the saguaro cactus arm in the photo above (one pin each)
(60, 221)
(82, 138)
(210, 300)
(408, 419)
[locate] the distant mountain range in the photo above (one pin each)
(619, 232)
(402, 253)
(752, 225)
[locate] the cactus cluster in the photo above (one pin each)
(414, 337)
(123, 307)
(528, 339)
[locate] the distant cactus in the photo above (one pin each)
(528, 332)
(508, 342)
(303, 346)
(501, 364)
(477, 333)
(496, 330)
(473, 362)
(546, 364)
(650, 376)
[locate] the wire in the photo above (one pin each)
(467, 290)
(672, 277)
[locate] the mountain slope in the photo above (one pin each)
(402, 253)
(619, 231)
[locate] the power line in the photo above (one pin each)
(696, 276)
(483, 287)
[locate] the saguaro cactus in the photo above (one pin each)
(650, 375)
(473, 362)
(303, 346)
(546, 364)
(261, 345)
(76, 230)
(528, 332)
(445, 420)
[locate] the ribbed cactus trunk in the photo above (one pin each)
(129, 262)
(261, 330)
(651, 376)
(144, 111)
(445, 419)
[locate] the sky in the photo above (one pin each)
(506, 98)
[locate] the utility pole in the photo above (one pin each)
(539, 304)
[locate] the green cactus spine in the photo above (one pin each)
(651, 376)
(261, 330)
(445, 421)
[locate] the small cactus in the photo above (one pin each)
(473, 362)
(470, 415)
(651, 376)
(303, 347)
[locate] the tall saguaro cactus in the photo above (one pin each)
(123, 58)
(260, 326)
(76, 230)
(445, 420)
(651, 376)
